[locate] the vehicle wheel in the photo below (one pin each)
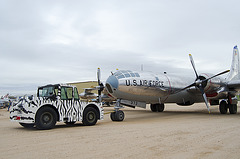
(26, 125)
(153, 107)
(70, 123)
(89, 116)
(160, 107)
(233, 108)
(223, 107)
(46, 118)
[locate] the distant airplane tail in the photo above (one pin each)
(234, 73)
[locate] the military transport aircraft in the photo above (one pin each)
(132, 88)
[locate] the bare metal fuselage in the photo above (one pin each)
(160, 88)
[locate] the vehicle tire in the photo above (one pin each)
(46, 118)
(223, 107)
(26, 125)
(89, 116)
(233, 108)
(112, 116)
(153, 107)
(160, 107)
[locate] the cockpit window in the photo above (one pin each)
(137, 75)
(132, 74)
(125, 74)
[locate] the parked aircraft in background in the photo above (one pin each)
(5, 100)
(136, 89)
(89, 95)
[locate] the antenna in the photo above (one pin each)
(141, 67)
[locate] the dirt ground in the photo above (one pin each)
(178, 132)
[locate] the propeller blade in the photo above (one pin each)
(204, 97)
(100, 86)
(194, 84)
(99, 76)
(198, 82)
(193, 65)
(216, 75)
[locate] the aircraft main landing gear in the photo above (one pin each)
(231, 105)
(157, 107)
(117, 115)
(223, 107)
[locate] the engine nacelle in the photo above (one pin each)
(211, 85)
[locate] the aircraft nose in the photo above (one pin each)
(111, 84)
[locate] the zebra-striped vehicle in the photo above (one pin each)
(59, 102)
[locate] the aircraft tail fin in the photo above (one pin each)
(234, 73)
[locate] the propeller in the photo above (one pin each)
(100, 86)
(199, 83)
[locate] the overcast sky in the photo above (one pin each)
(44, 42)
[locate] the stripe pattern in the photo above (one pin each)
(68, 110)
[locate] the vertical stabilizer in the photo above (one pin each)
(234, 71)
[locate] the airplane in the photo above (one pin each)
(87, 94)
(138, 88)
(4, 100)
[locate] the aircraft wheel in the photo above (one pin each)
(153, 107)
(233, 108)
(117, 116)
(160, 107)
(113, 116)
(223, 107)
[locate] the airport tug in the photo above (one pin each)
(58, 102)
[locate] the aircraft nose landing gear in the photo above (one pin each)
(117, 115)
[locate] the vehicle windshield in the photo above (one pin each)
(48, 91)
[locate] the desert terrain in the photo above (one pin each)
(178, 132)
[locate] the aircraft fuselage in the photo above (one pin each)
(158, 88)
